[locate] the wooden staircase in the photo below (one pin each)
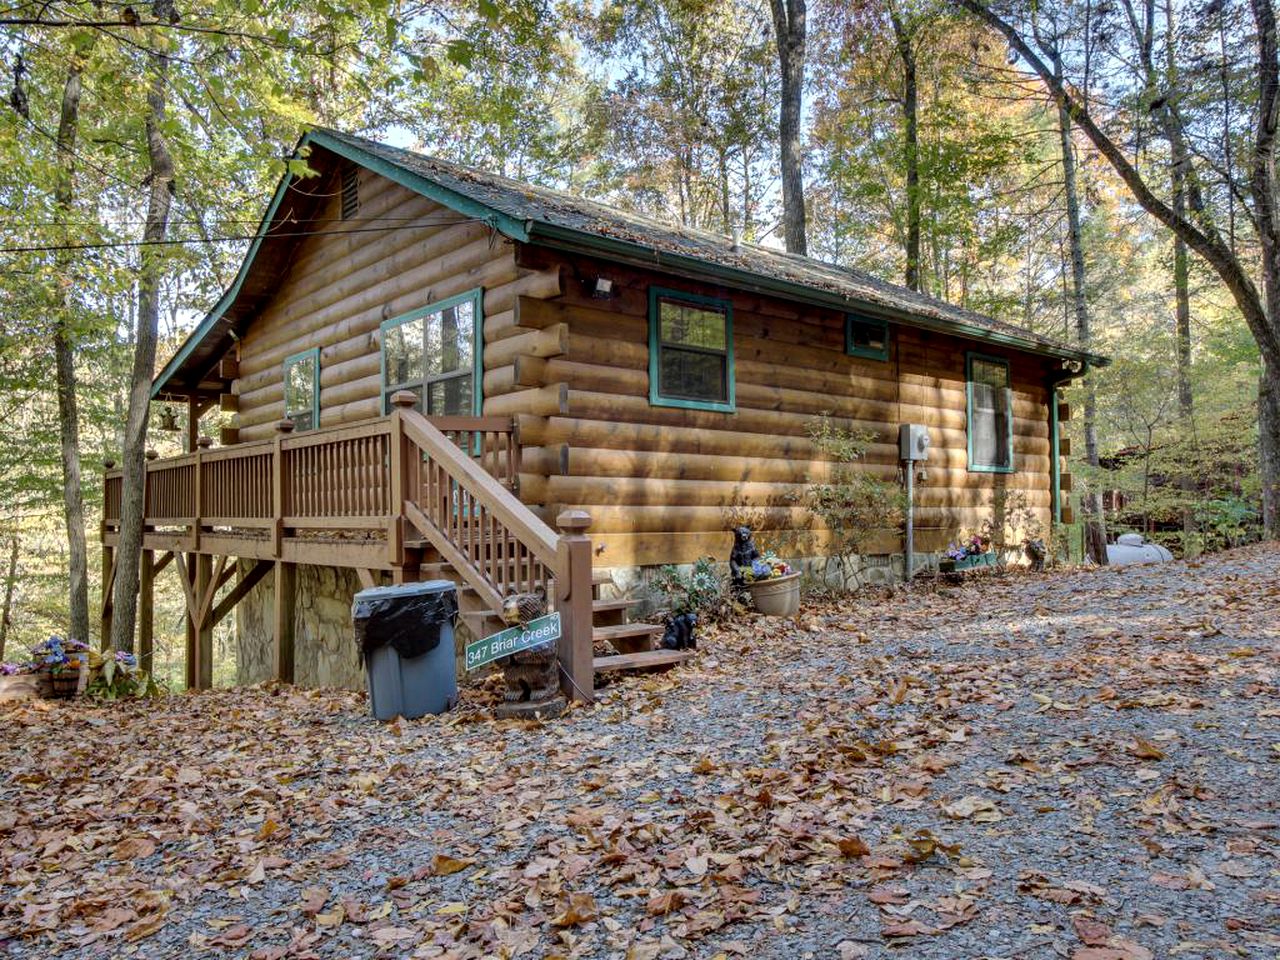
(619, 645)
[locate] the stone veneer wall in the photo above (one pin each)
(324, 651)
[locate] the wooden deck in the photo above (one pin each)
(401, 494)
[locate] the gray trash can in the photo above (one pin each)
(405, 637)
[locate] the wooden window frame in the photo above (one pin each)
(849, 320)
(314, 356)
(476, 298)
(656, 398)
(969, 359)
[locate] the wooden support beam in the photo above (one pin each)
(286, 585)
(204, 632)
(367, 578)
(228, 436)
(246, 583)
(222, 572)
(228, 403)
(108, 585)
(165, 559)
(1064, 446)
(1064, 412)
(228, 368)
(146, 610)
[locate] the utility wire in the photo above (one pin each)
(54, 248)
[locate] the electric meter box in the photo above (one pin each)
(913, 441)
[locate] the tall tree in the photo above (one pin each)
(64, 363)
(133, 459)
(1259, 305)
(789, 23)
(904, 33)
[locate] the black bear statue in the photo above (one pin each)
(679, 634)
(743, 554)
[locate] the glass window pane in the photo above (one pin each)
(690, 325)
(402, 346)
(869, 336)
(692, 375)
(989, 421)
(299, 386)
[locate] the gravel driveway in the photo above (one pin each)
(1078, 765)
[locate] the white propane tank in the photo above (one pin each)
(1130, 548)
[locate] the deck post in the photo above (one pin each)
(146, 605)
(278, 486)
(108, 586)
(203, 628)
(286, 583)
(573, 600)
(187, 571)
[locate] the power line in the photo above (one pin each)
(55, 248)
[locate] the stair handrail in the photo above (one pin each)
(530, 529)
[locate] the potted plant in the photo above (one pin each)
(65, 663)
(773, 585)
(967, 553)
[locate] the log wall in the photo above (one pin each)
(663, 484)
(338, 290)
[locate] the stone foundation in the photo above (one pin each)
(324, 652)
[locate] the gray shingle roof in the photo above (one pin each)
(545, 212)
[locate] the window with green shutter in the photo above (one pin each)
(690, 351)
(302, 389)
(990, 414)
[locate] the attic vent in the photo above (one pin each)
(350, 192)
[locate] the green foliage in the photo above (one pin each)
(118, 680)
(704, 590)
(853, 505)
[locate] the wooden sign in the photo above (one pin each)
(535, 633)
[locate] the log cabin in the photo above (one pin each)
(432, 371)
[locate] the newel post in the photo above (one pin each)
(573, 600)
(401, 400)
(278, 485)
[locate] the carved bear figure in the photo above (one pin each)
(744, 552)
(1035, 552)
(679, 633)
(532, 676)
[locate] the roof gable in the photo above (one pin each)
(533, 214)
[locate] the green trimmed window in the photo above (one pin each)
(690, 351)
(866, 337)
(302, 389)
(990, 414)
(434, 353)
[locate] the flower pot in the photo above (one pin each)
(777, 596)
(70, 681)
(971, 562)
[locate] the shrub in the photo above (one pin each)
(853, 505)
(704, 590)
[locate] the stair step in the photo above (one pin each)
(646, 660)
(603, 606)
(627, 630)
(628, 638)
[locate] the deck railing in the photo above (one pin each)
(451, 479)
(336, 478)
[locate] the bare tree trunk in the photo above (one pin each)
(129, 548)
(1269, 446)
(1095, 529)
(911, 145)
(10, 585)
(65, 372)
(789, 27)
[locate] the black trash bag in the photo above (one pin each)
(408, 622)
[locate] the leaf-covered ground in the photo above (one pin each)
(1079, 765)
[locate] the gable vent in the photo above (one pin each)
(350, 192)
